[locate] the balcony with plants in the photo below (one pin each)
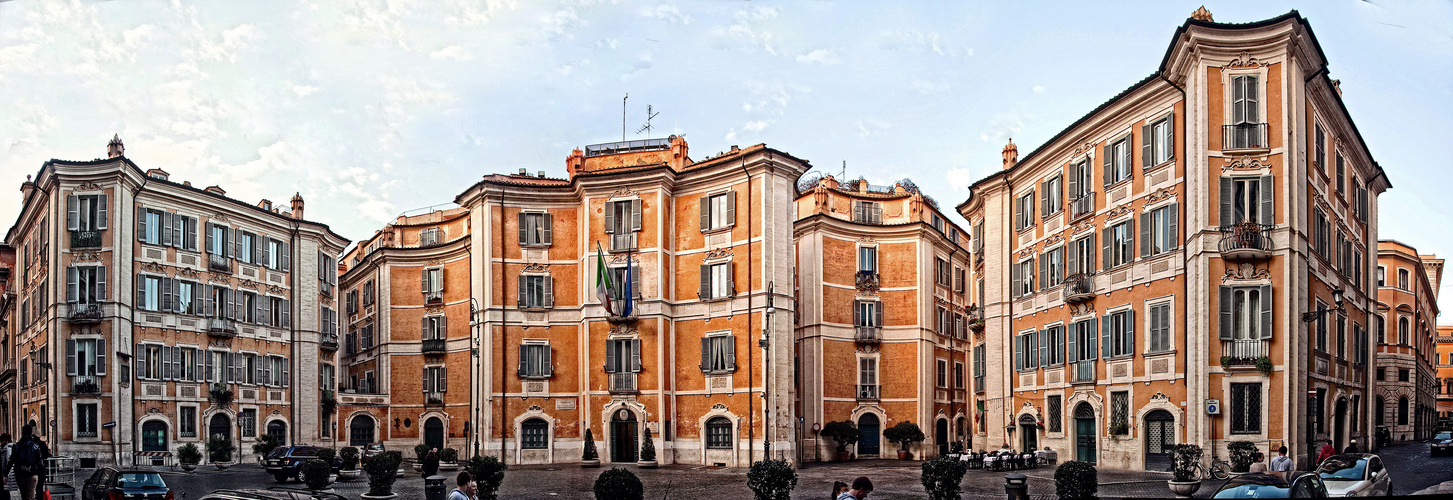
(1246, 241)
(84, 314)
(85, 239)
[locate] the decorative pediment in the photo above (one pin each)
(1161, 194)
(622, 193)
(153, 266)
(88, 186)
(1054, 238)
(219, 216)
(1087, 224)
(719, 406)
(867, 239)
(1245, 162)
(274, 289)
(218, 277)
(868, 349)
(85, 257)
(623, 329)
(534, 267)
(1245, 271)
(534, 408)
(1159, 396)
(720, 253)
(434, 309)
(1120, 210)
(1025, 252)
(243, 283)
(190, 273)
(1244, 61)
(1081, 308)
(1084, 147)
(434, 262)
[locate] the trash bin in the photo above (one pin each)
(434, 488)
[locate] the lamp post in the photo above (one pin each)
(474, 325)
(1314, 404)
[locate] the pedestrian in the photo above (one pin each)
(1352, 447)
(431, 462)
(860, 490)
(1281, 465)
(27, 461)
(1258, 462)
(1326, 452)
(463, 487)
(7, 482)
(838, 487)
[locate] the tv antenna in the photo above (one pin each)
(623, 117)
(844, 173)
(647, 127)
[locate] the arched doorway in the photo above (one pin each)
(623, 436)
(360, 431)
(940, 436)
(220, 425)
(1028, 433)
(1160, 439)
(278, 430)
(1085, 433)
(868, 445)
(434, 433)
(1339, 424)
(154, 438)
(963, 432)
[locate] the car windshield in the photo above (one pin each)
(1443, 436)
(140, 480)
(304, 451)
(1251, 490)
(1342, 469)
(278, 452)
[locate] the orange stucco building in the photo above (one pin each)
(1406, 355)
(1444, 365)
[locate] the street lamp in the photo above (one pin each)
(1337, 296)
(1313, 404)
(474, 324)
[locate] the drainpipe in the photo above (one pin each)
(504, 399)
(751, 366)
(120, 214)
(293, 271)
(1185, 255)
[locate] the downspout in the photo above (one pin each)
(132, 344)
(1185, 255)
(1009, 317)
(751, 366)
(293, 271)
(504, 399)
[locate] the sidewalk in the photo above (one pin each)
(1444, 488)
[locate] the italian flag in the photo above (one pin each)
(603, 286)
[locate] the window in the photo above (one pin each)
(432, 282)
(1119, 244)
(1024, 212)
(534, 434)
(718, 211)
(1054, 340)
(434, 328)
(1321, 146)
(430, 236)
(327, 322)
(276, 257)
(368, 293)
(1323, 234)
(1051, 192)
(1159, 138)
(945, 321)
(1403, 411)
(187, 421)
(150, 228)
(327, 271)
(1022, 278)
(718, 433)
(86, 284)
(249, 308)
(1246, 312)
(941, 372)
(1381, 374)
(1052, 268)
(867, 378)
(188, 295)
(1160, 327)
(1245, 408)
(958, 375)
(960, 277)
(535, 361)
(979, 368)
(942, 275)
(148, 296)
(1080, 182)
(351, 302)
(1404, 375)
(1120, 412)
(86, 358)
(1119, 334)
(867, 212)
(1403, 279)
(1381, 276)
(716, 281)
(867, 313)
(1158, 230)
(281, 316)
(1081, 256)
(618, 278)
(718, 354)
(247, 420)
(536, 292)
(327, 377)
(1026, 351)
(1341, 173)
(1054, 406)
(278, 373)
(87, 213)
(86, 420)
(436, 379)
(219, 239)
(867, 259)
(1341, 337)
(1246, 199)
(1117, 160)
(246, 242)
(1404, 331)
(1083, 342)
(1381, 329)
(623, 356)
(1245, 113)
(535, 229)
(936, 221)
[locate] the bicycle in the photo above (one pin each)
(1217, 470)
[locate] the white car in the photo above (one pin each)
(1355, 475)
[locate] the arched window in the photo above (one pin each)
(1403, 331)
(719, 433)
(1381, 411)
(534, 434)
(360, 431)
(153, 436)
(1403, 410)
(278, 429)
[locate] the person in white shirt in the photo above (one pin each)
(1281, 464)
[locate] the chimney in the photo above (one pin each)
(524, 171)
(297, 206)
(1337, 85)
(574, 163)
(542, 174)
(26, 188)
(115, 148)
(1011, 155)
(679, 160)
(1202, 14)
(216, 189)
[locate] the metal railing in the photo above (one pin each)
(1079, 287)
(85, 239)
(1246, 235)
(1083, 205)
(1083, 371)
(868, 391)
(868, 334)
(615, 148)
(219, 263)
(434, 399)
(623, 382)
(1244, 349)
(223, 327)
(85, 313)
(622, 241)
(1244, 136)
(85, 385)
(329, 342)
(432, 346)
(865, 280)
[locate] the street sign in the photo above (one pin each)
(1213, 407)
(108, 425)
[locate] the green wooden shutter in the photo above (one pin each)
(1268, 201)
(610, 217)
(73, 218)
(705, 213)
(1228, 202)
(1266, 305)
(524, 231)
(705, 282)
(705, 353)
(1147, 156)
(731, 215)
(1109, 152)
(1226, 312)
(1173, 216)
(1072, 343)
(610, 355)
(1145, 237)
(1106, 346)
(635, 215)
(1091, 337)
(1106, 251)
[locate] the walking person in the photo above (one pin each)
(27, 461)
(431, 462)
(1281, 465)
(464, 488)
(1351, 447)
(860, 490)
(838, 487)
(1326, 452)
(7, 482)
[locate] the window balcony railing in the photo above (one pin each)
(85, 239)
(1079, 288)
(222, 327)
(219, 263)
(85, 386)
(868, 334)
(621, 242)
(623, 383)
(1085, 204)
(85, 314)
(1246, 240)
(434, 399)
(868, 392)
(1244, 136)
(1082, 371)
(613, 148)
(432, 346)
(329, 342)
(867, 280)
(1243, 351)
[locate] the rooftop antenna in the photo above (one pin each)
(844, 173)
(647, 127)
(623, 117)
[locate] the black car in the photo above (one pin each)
(229, 494)
(1299, 484)
(285, 462)
(136, 483)
(1442, 443)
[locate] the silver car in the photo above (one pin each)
(1355, 475)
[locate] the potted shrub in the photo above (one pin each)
(221, 394)
(264, 446)
(904, 433)
(1263, 365)
(381, 470)
(219, 451)
(1184, 482)
(1119, 429)
(349, 471)
(941, 477)
(189, 456)
(618, 484)
(771, 480)
(589, 458)
(449, 459)
(327, 455)
(648, 451)
(1076, 480)
(317, 474)
(845, 433)
(1243, 453)
(488, 472)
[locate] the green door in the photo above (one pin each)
(1085, 440)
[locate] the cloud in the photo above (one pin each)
(473, 13)
(959, 179)
(607, 43)
(667, 12)
(756, 125)
(1002, 127)
(1038, 89)
(819, 56)
(920, 42)
(870, 126)
(303, 90)
(928, 88)
(452, 52)
(750, 29)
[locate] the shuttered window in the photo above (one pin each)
(87, 212)
(1051, 196)
(1160, 340)
(1117, 334)
(867, 313)
(536, 229)
(1247, 199)
(718, 354)
(535, 360)
(718, 211)
(536, 292)
(1052, 268)
(1054, 345)
(1117, 159)
(716, 281)
(1245, 312)
(1024, 212)
(1159, 230)
(867, 212)
(623, 356)
(1158, 138)
(1119, 244)
(86, 284)
(1081, 256)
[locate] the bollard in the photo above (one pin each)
(434, 488)
(1016, 487)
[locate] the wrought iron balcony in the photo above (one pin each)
(222, 327)
(1244, 136)
(329, 342)
(868, 335)
(1082, 372)
(1085, 204)
(432, 346)
(621, 242)
(85, 314)
(1243, 351)
(85, 239)
(1079, 288)
(85, 386)
(219, 263)
(868, 392)
(434, 399)
(623, 383)
(867, 280)
(1246, 240)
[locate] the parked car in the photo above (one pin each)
(372, 449)
(1263, 485)
(132, 483)
(285, 461)
(229, 494)
(1442, 443)
(1355, 475)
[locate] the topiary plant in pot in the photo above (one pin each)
(589, 458)
(189, 456)
(488, 472)
(904, 433)
(618, 484)
(449, 459)
(349, 469)
(1184, 458)
(845, 433)
(1076, 480)
(316, 474)
(264, 446)
(219, 451)
(1243, 453)
(648, 451)
(941, 478)
(771, 480)
(382, 469)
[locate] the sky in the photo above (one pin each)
(373, 108)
